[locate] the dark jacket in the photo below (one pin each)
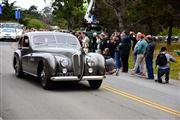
(150, 50)
(125, 46)
(103, 44)
(133, 39)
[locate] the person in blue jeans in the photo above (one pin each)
(117, 59)
(165, 69)
(149, 57)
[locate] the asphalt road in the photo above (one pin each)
(120, 97)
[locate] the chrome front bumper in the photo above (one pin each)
(75, 78)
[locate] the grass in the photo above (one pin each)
(174, 66)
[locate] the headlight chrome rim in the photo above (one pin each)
(90, 62)
(64, 62)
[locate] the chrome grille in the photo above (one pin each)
(77, 64)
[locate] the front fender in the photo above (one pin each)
(49, 61)
(99, 62)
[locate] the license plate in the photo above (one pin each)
(7, 36)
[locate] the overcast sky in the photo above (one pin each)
(27, 3)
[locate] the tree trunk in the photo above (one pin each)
(170, 31)
(70, 23)
(120, 19)
(118, 6)
(151, 26)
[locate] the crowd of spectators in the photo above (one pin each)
(116, 50)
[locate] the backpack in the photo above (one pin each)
(161, 59)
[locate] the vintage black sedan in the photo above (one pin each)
(55, 56)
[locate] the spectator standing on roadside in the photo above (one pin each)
(140, 61)
(94, 43)
(80, 37)
(85, 42)
(149, 56)
(162, 61)
(103, 43)
(111, 46)
(98, 41)
(124, 49)
(117, 57)
(133, 39)
(138, 38)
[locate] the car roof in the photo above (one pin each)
(48, 33)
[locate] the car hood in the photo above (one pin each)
(58, 51)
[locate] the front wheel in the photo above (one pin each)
(95, 84)
(18, 69)
(44, 77)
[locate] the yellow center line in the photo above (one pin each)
(141, 100)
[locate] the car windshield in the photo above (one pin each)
(10, 25)
(59, 41)
(9, 30)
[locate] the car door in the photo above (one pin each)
(25, 52)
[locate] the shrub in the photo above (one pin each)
(35, 23)
(175, 31)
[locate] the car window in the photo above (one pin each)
(25, 41)
(43, 39)
(10, 25)
(67, 41)
(9, 30)
(60, 41)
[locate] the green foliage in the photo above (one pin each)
(149, 13)
(175, 31)
(106, 16)
(61, 22)
(70, 10)
(149, 16)
(35, 23)
(32, 12)
(7, 11)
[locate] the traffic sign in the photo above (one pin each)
(0, 9)
(17, 14)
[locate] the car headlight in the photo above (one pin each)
(90, 62)
(64, 62)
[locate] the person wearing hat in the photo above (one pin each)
(140, 61)
(149, 56)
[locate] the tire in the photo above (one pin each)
(18, 69)
(95, 84)
(44, 77)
